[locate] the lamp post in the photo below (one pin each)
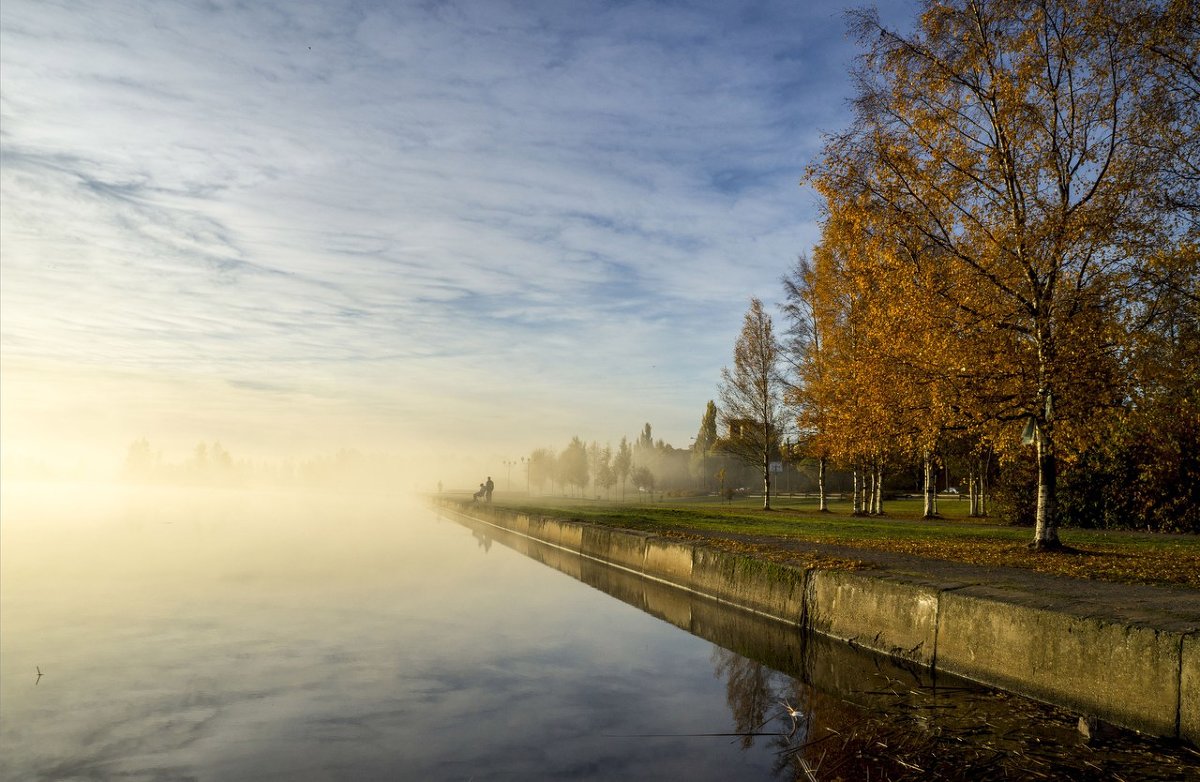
(508, 480)
(526, 463)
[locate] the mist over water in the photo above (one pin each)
(269, 635)
(219, 634)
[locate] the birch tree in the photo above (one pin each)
(751, 408)
(1005, 141)
(804, 359)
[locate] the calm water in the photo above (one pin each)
(238, 635)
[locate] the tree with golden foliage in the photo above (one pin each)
(1001, 153)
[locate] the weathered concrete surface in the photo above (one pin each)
(570, 535)
(1189, 688)
(669, 560)
(518, 522)
(1129, 655)
(1119, 672)
(617, 547)
(771, 589)
(894, 615)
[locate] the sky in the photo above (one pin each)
(460, 229)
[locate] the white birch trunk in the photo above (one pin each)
(1045, 534)
(879, 487)
(822, 499)
(767, 479)
(930, 494)
(868, 489)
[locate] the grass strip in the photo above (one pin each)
(794, 531)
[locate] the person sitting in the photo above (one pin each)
(481, 493)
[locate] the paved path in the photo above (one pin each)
(1163, 607)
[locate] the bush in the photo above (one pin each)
(1014, 493)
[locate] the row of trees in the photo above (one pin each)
(579, 467)
(1008, 262)
(714, 463)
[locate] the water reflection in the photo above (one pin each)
(748, 690)
(826, 711)
(242, 635)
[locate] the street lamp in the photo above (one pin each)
(508, 481)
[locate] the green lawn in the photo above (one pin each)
(1108, 555)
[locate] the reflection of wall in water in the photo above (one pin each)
(830, 665)
(864, 715)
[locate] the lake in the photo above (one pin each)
(229, 635)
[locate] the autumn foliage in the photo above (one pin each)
(1008, 258)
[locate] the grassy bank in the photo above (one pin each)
(794, 529)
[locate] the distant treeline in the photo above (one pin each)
(647, 465)
(709, 467)
(211, 464)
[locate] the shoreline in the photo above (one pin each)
(1123, 654)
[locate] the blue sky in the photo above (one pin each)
(462, 226)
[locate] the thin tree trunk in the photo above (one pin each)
(869, 487)
(972, 498)
(822, 498)
(767, 481)
(879, 487)
(983, 470)
(930, 494)
(855, 497)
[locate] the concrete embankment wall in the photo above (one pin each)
(1141, 677)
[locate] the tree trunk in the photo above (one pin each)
(868, 489)
(822, 498)
(1045, 534)
(972, 498)
(767, 481)
(930, 489)
(879, 487)
(983, 467)
(856, 496)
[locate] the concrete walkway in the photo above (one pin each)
(1164, 607)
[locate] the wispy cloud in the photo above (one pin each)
(565, 204)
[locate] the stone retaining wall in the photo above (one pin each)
(1129, 674)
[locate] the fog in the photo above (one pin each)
(173, 633)
(61, 423)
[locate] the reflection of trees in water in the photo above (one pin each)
(747, 690)
(760, 700)
(756, 695)
(900, 729)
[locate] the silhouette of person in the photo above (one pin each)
(481, 493)
(490, 487)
